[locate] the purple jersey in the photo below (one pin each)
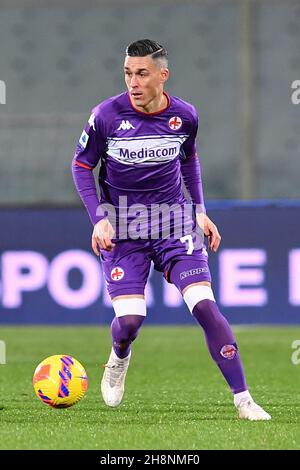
(142, 156)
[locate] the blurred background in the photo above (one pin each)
(235, 60)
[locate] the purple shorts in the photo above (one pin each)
(126, 268)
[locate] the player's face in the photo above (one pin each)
(145, 80)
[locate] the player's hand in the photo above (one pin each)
(102, 236)
(210, 230)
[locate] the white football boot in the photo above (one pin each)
(248, 409)
(113, 380)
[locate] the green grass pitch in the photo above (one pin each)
(175, 397)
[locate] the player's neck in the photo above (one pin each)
(155, 106)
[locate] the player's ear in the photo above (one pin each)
(164, 75)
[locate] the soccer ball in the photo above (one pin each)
(60, 381)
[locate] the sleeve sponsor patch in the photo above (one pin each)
(83, 139)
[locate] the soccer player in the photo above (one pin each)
(145, 142)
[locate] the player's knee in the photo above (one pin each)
(197, 293)
(208, 314)
(129, 326)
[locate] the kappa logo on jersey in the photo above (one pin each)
(125, 126)
(83, 139)
(175, 123)
(117, 273)
(91, 121)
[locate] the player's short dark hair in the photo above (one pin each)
(144, 47)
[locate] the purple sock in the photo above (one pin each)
(124, 330)
(221, 344)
